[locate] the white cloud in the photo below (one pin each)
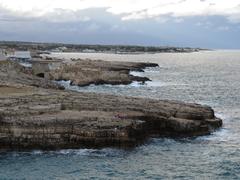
(127, 9)
(234, 18)
(60, 15)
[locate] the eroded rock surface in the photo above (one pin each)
(86, 72)
(12, 73)
(34, 117)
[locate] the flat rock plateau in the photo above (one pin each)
(36, 113)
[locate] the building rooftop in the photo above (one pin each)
(21, 55)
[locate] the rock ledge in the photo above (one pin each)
(36, 114)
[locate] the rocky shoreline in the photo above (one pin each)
(86, 72)
(36, 113)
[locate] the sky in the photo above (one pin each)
(188, 23)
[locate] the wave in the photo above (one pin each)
(106, 152)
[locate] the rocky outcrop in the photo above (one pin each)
(12, 73)
(48, 118)
(57, 119)
(86, 72)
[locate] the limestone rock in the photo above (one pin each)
(36, 114)
(86, 72)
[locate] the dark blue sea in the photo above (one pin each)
(208, 77)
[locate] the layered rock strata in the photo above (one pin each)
(44, 117)
(86, 72)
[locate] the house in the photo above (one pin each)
(21, 56)
(59, 49)
(41, 67)
(2, 55)
(88, 51)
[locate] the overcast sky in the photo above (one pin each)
(196, 23)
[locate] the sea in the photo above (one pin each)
(207, 77)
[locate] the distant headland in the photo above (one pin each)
(87, 48)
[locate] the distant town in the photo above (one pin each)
(26, 50)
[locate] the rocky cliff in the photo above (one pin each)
(86, 72)
(44, 117)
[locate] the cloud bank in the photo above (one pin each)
(198, 23)
(62, 10)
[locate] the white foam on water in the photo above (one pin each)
(36, 152)
(26, 64)
(105, 152)
(90, 152)
(221, 115)
(67, 85)
(135, 84)
(136, 73)
(155, 84)
(75, 151)
(220, 135)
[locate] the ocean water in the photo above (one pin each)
(210, 77)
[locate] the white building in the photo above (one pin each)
(88, 51)
(23, 56)
(2, 55)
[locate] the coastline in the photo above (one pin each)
(36, 114)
